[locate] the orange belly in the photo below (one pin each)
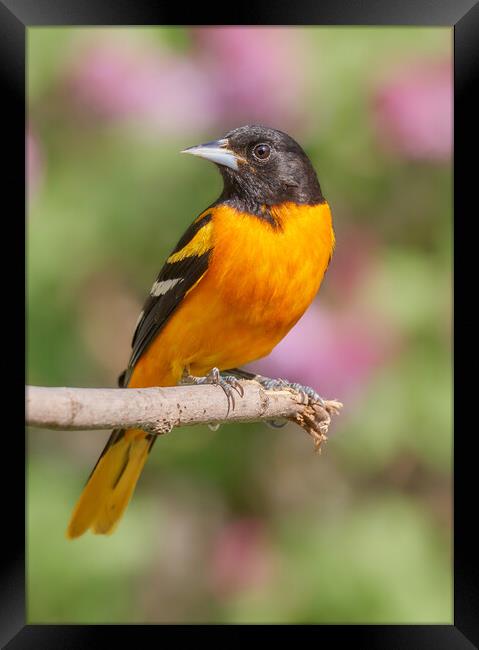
(259, 283)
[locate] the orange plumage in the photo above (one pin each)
(261, 275)
(258, 284)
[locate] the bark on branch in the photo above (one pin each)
(159, 410)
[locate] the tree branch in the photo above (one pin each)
(159, 410)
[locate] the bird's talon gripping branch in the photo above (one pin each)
(234, 383)
(227, 383)
(307, 393)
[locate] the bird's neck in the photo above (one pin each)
(249, 193)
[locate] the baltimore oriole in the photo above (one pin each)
(238, 280)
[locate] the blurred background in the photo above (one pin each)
(247, 524)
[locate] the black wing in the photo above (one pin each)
(185, 266)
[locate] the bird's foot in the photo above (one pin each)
(307, 393)
(228, 383)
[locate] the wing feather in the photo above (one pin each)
(184, 268)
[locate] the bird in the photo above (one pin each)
(240, 277)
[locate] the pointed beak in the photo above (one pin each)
(216, 151)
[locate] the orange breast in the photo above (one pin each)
(259, 283)
(268, 276)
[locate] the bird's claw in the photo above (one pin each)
(307, 393)
(234, 383)
(227, 383)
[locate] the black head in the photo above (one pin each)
(262, 167)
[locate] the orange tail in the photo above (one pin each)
(111, 484)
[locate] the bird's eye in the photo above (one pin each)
(262, 151)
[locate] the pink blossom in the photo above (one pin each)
(256, 73)
(335, 353)
(413, 111)
(229, 76)
(241, 557)
(128, 80)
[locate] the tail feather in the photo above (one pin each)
(111, 484)
(116, 502)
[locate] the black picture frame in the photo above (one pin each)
(15, 17)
